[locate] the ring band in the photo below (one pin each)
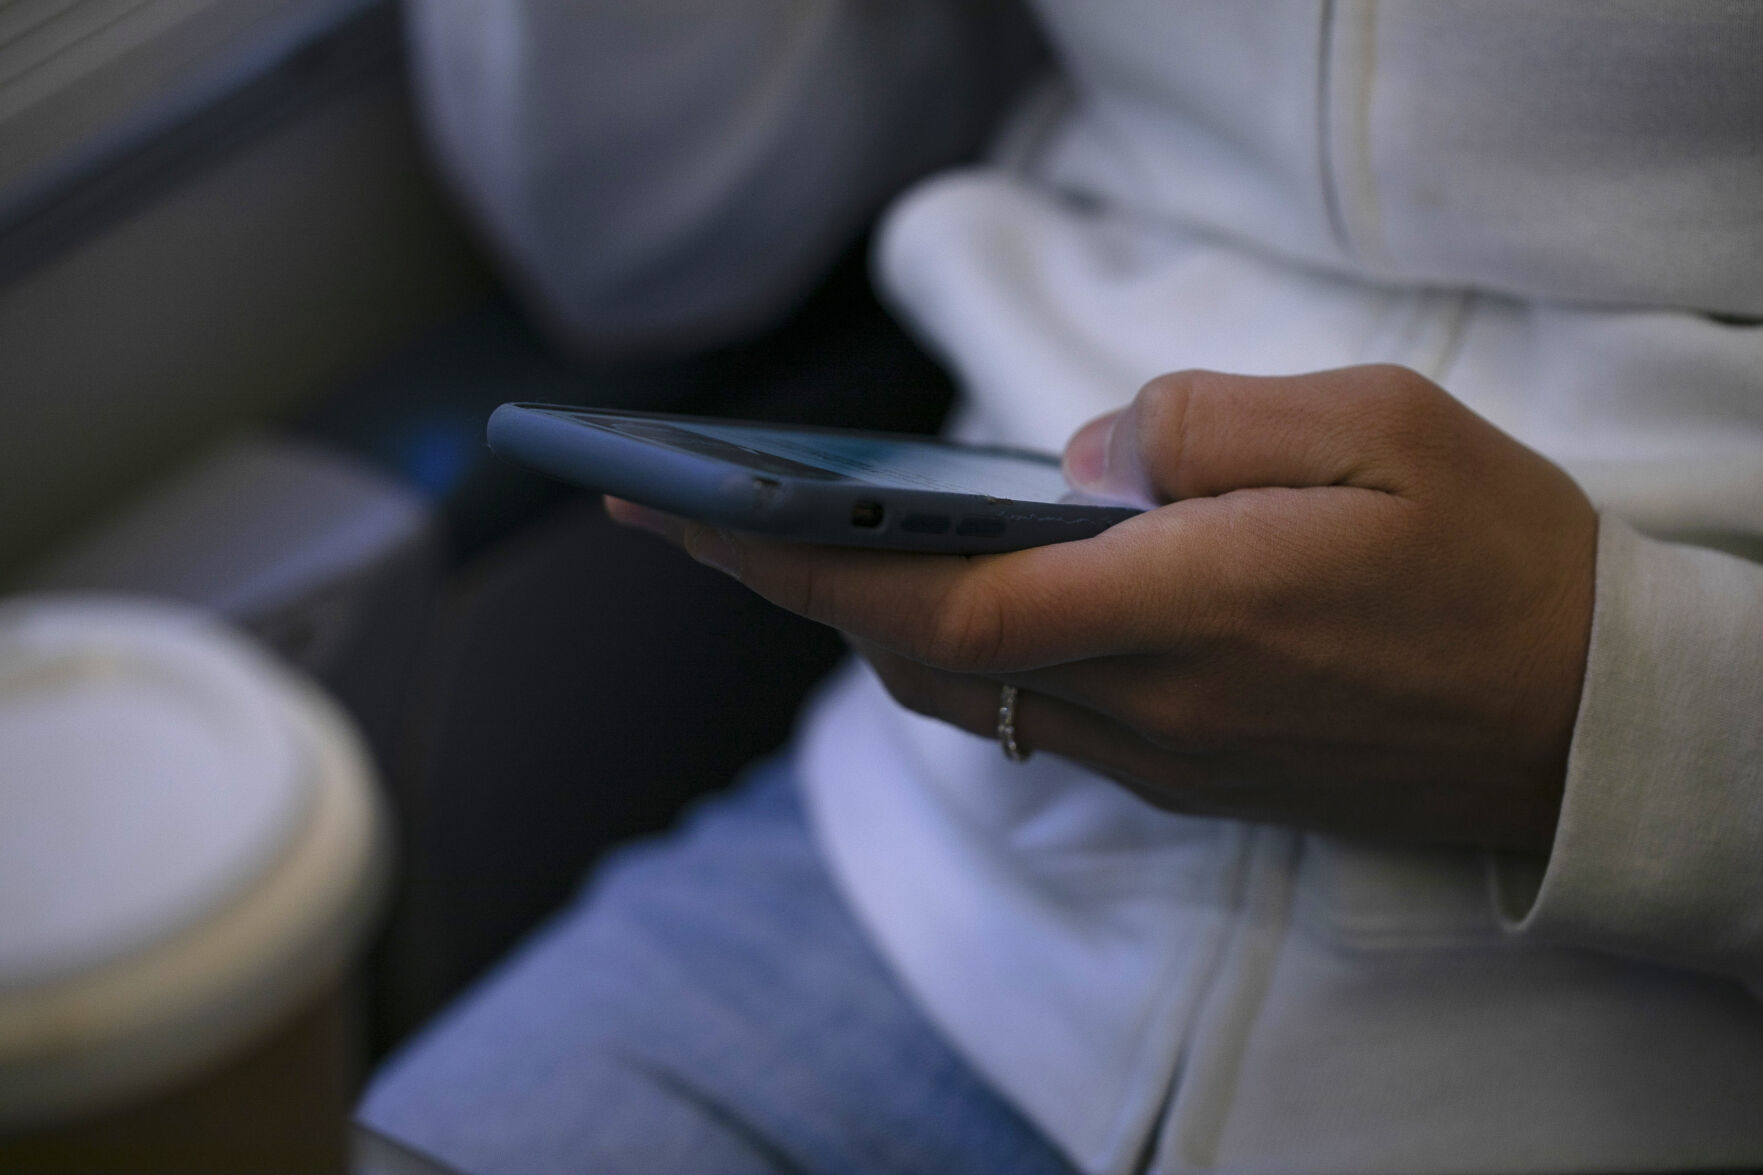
(1007, 726)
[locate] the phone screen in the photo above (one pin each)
(891, 462)
(904, 464)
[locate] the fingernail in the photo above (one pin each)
(713, 548)
(1086, 454)
(630, 514)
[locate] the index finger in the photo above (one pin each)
(1002, 613)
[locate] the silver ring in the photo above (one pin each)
(1007, 726)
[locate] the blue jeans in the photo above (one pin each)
(709, 1005)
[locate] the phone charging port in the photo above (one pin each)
(866, 514)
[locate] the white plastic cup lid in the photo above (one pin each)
(189, 841)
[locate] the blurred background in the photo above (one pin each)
(247, 347)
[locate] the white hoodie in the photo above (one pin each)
(1556, 211)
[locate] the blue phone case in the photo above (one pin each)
(729, 486)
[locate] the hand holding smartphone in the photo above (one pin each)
(806, 484)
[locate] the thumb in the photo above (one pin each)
(1202, 433)
(1094, 468)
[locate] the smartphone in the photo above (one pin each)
(807, 484)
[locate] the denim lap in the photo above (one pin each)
(707, 1005)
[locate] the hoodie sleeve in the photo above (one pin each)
(1659, 851)
(668, 174)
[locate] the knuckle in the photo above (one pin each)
(1408, 402)
(1163, 391)
(1187, 734)
(1179, 722)
(1162, 416)
(1179, 732)
(1162, 406)
(1419, 422)
(966, 633)
(820, 592)
(807, 594)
